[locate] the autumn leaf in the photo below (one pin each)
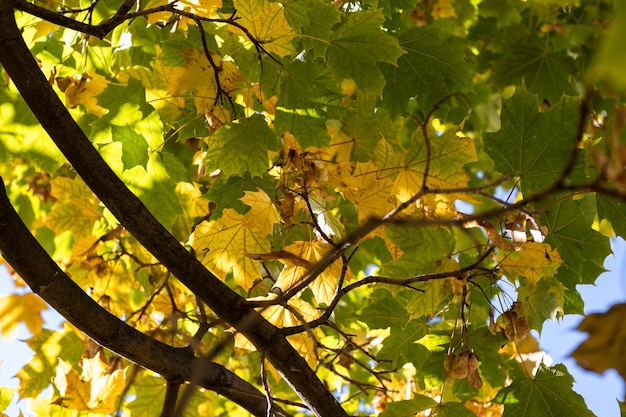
(534, 261)
(221, 245)
(369, 188)
(323, 286)
(82, 89)
(298, 313)
(604, 347)
(198, 75)
(266, 22)
(447, 154)
(16, 309)
(76, 209)
(94, 390)
(263, 213)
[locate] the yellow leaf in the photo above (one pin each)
(198, 75)
(190, 198)
(94, 390)
(203, 8)
(266, 22)
(300, 312)
(448, 155)
(263, 213)
(76, 208)
(222, 244)
(324, 286)
(535, 261)
(82, 89)
(370, 189)
(16, 309)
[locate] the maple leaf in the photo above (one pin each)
(534, 261)
(198, 75)
(604, 347)
(221, 245)
(263, 213)
(76, 209)
(324, 286)
(449, 154)
(298, 313)
(551, 389)
(94, 390)
(16, 309)
(266, 22)
(369, 188)
(82, 89)
(358, 45)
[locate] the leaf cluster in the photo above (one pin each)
(329, 208)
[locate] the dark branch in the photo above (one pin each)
(137, 219)
(22, 251)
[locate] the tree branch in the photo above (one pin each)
(137, 219)
(22, 251)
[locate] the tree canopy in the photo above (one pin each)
(251, 207)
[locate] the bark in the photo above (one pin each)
(134, 216)
(22, 251)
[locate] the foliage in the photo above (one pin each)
(402, 190)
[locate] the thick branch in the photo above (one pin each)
(135, 217)
(22, 251)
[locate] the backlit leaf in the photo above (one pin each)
(323, 286)
(530, 144)
(534, 261)
(242, 147)
(221, 245)
(263, 213)
(94, 390)
(550, 391)
(266, 22)
(16, 309)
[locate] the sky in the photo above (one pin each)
(558, 339)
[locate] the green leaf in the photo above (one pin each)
(384, 311)
(48, 346)
(226, 193)
(548, 394)
(401, 345)
(610, 60)
(504, 11)
(452, 409)
(408, 408)
(124, 104)
(367, 125)
(242, 147)
(546, 73)
(493, 366)
(134, 146)
(358, 45)
(582, 249)
(155, 185)
(424, 250)
(308, 126)
(613, 210)
(313, 18)
(541, 301)
(432, 69)
(532, 145)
